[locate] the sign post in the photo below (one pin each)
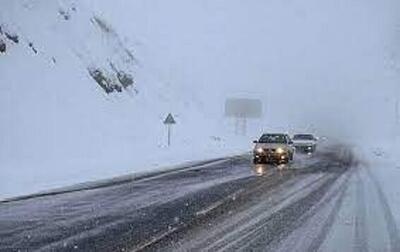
(169, 121)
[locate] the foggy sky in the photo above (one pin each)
(326, 63)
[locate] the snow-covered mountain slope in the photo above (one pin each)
(79, 103)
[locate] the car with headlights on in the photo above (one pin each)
(273, 149)
(305, 143)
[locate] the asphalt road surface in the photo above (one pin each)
(223, 205)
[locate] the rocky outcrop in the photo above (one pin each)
(3, 46)
(13, 37)
(104, 82)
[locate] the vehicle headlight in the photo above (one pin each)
(280, 150)
(259, 150)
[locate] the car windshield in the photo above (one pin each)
(303, 137)
(273, 138)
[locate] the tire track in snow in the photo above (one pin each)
(313, 227)
(241, 225)
(360, 232)
(389, 219)
(283, 222)
(253, 229)
(327, 224)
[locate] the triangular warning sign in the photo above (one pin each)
(170, 119)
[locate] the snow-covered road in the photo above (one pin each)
(329, 202)
(365, 221)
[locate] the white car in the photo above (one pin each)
(305, 143)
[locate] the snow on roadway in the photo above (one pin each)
(364, 223)
(358, 213)
(312, 233)
(88, 213)
(367, 217)
(383, 173)
(104, 208)
(348, 212)
(113, 198)
(242, 225)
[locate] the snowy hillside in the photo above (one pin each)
(79, 102)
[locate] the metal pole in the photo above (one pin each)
(169, 134)
(397, 117)
(244, 126)
(236, 125)
(397, 111)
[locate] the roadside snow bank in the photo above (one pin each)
(22, 179)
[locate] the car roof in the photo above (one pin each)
(275, 134)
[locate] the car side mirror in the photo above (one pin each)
(255, 141)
